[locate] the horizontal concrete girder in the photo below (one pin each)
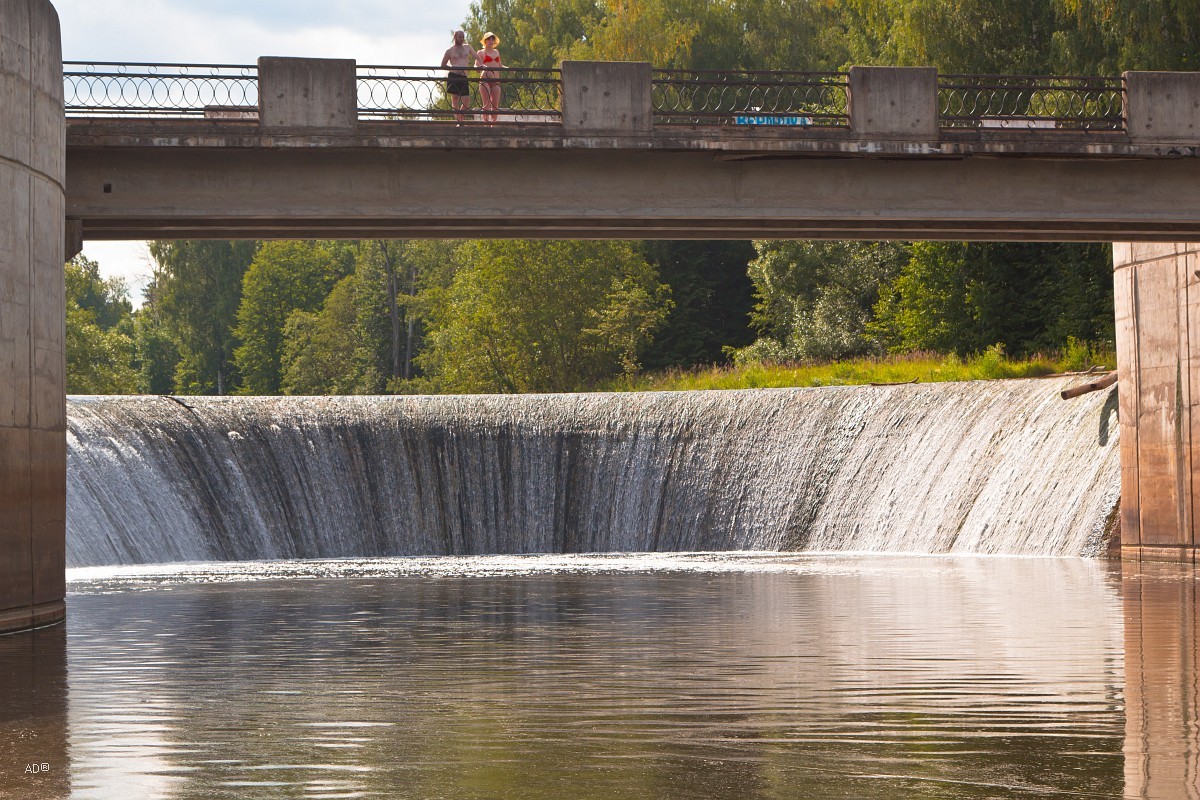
(669, 186)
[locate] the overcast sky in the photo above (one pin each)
(238, 32)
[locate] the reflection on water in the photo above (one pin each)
(605, 677)
(33, 715)
(1162, 682)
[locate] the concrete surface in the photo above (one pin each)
(360, 186)
(1163, 106)
(1157, 297)
(307, 93)
(32, 327)
(894, 103)
(606, 97)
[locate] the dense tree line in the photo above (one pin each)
(347, 317)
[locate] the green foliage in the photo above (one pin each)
(963, 297)
(533, 33)
(525, 316)
(156, 354)
(106, 299)
(921, 367)
(98, 328)
(630, 316)
(1111, 36)
(283, 277)
(815, 298)
(319, 349)
(194, 296)
(968, 36)
(713, 297)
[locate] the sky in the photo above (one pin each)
(410, 32)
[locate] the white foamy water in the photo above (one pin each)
(1002, 467)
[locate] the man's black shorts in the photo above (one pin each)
(456, 83)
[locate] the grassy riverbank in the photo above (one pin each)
(908, 368)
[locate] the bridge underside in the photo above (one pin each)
(545, 190)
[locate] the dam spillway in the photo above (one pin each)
(997, 467)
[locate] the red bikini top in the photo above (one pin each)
(488, 59)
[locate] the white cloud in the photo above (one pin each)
(194, 32)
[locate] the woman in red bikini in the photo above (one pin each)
(488, 60)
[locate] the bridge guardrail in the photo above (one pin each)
(110, 89)
(720, 97)
(1031, 102)
(534, 96)
(528, 96)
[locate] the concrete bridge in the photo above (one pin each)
(591, 151)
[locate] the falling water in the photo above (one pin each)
(983, 467)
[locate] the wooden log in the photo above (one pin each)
(1094, 386)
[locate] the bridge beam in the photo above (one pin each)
(353, 190)
(32, 362)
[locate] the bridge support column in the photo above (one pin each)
(1157, 297)
(33, 462)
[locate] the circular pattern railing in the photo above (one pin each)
(534, 96)
(422, 93)
(1025, 101)
(751, 98)
(101, 89)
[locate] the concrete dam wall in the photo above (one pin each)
(1003, 467)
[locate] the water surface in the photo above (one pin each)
(666, 676)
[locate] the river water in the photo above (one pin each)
(681, 675)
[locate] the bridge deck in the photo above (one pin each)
(603, 156)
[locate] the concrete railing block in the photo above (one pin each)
(307, 93)
(894, 103)
(606, 97)
(1163, 107)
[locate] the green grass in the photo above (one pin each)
(919, 367)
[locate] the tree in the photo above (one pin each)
(967, 36)
(963, 297)
(98, 327)
(713, 298)
(815, 299)
(197, 287)
(156, 354)
(526, 316)
(283, 277)
(319, 349)
(1111, 36)
(534, 33)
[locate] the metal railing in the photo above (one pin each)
(526, 96)
(712, 97)
(534, 96)
(106, 89)
(1031, 102)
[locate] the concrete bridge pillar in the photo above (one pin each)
(1157, 298)
(33, 462)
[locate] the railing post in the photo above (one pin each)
(894, 103)
(307, 93)
(1163, 107)
(606, 97)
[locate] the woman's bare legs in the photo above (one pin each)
(491, 101)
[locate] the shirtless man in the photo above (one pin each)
(459, 59)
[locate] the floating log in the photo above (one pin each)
(1094, 386)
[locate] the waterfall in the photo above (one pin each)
(982, 467)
